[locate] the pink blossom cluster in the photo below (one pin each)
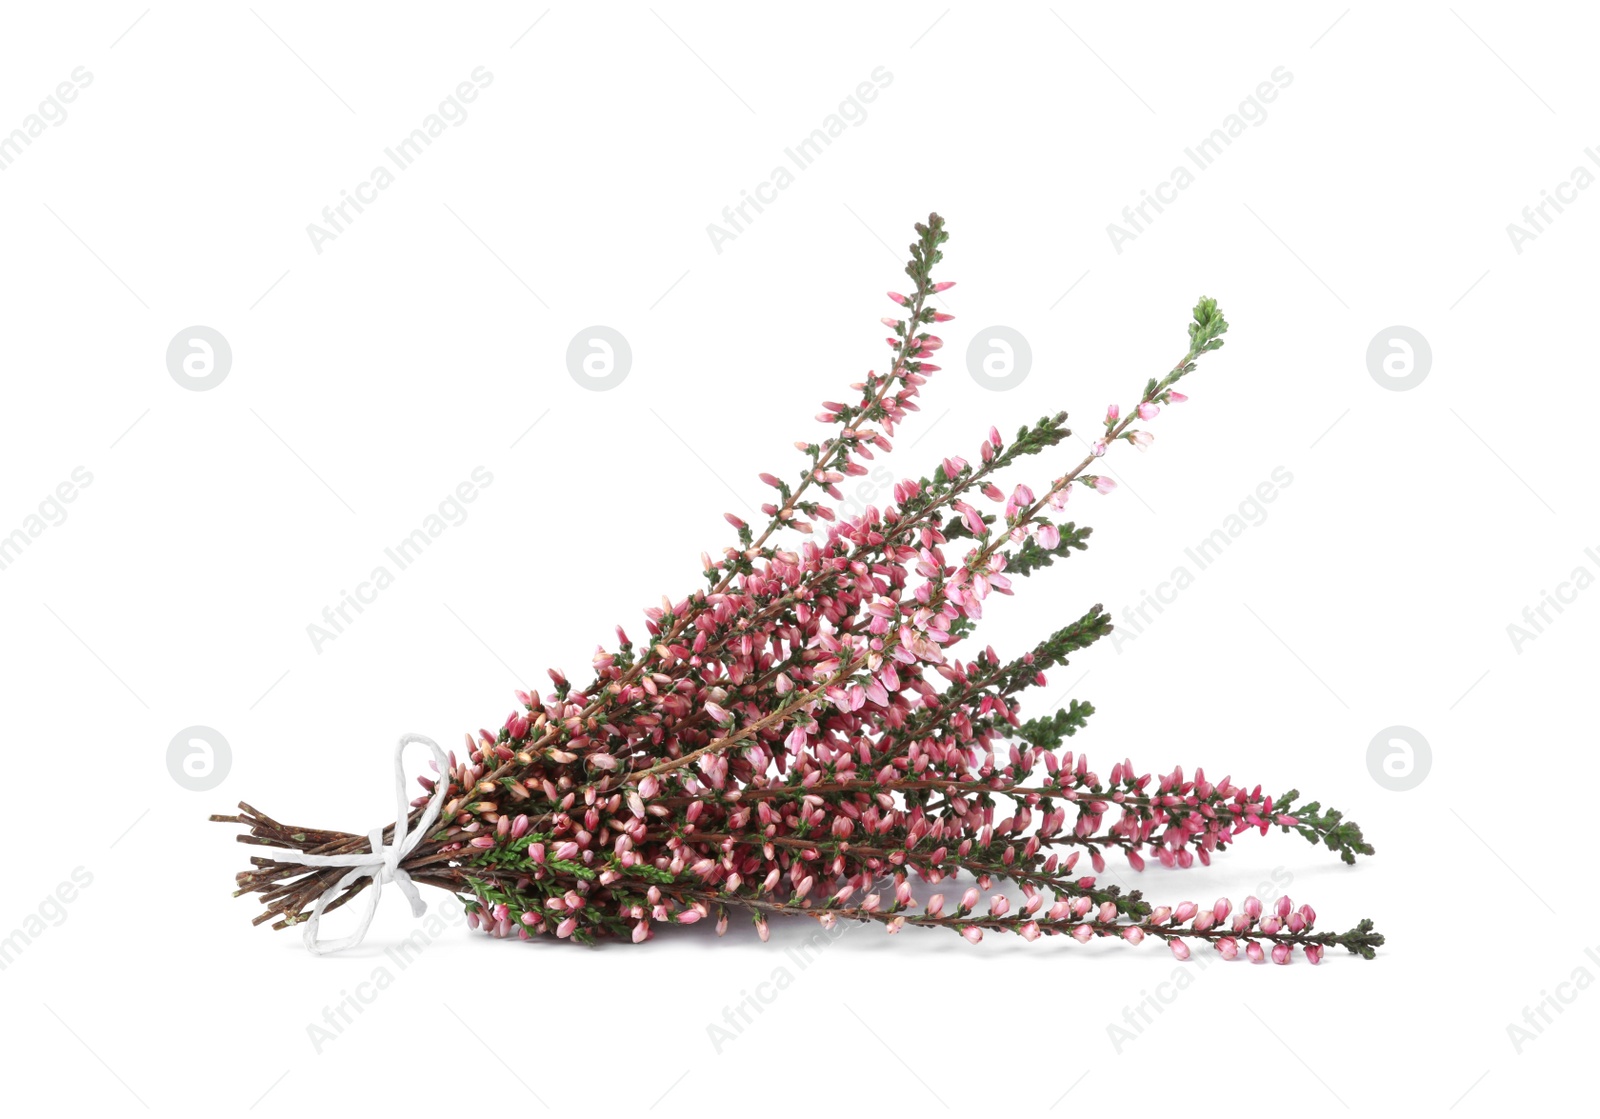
(805, 735)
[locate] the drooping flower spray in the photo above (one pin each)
(804, 736)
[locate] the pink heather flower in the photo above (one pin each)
(830, 646)
(944, 285)
(1098, 449)
(1280, 953)
(940, 316)
(1142, 440)
(1176, 397)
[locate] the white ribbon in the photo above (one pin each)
(383, 863)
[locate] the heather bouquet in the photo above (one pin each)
(815, 732)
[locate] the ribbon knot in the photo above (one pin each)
(382, 865)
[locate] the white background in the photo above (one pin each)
(371, 378)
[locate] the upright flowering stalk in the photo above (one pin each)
(803, 735)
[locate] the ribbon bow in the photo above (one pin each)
(383, 863)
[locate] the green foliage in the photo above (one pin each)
(1205, 335)
(1329, 828)
(1047, 731)
(1030, 557)
(925, 252)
